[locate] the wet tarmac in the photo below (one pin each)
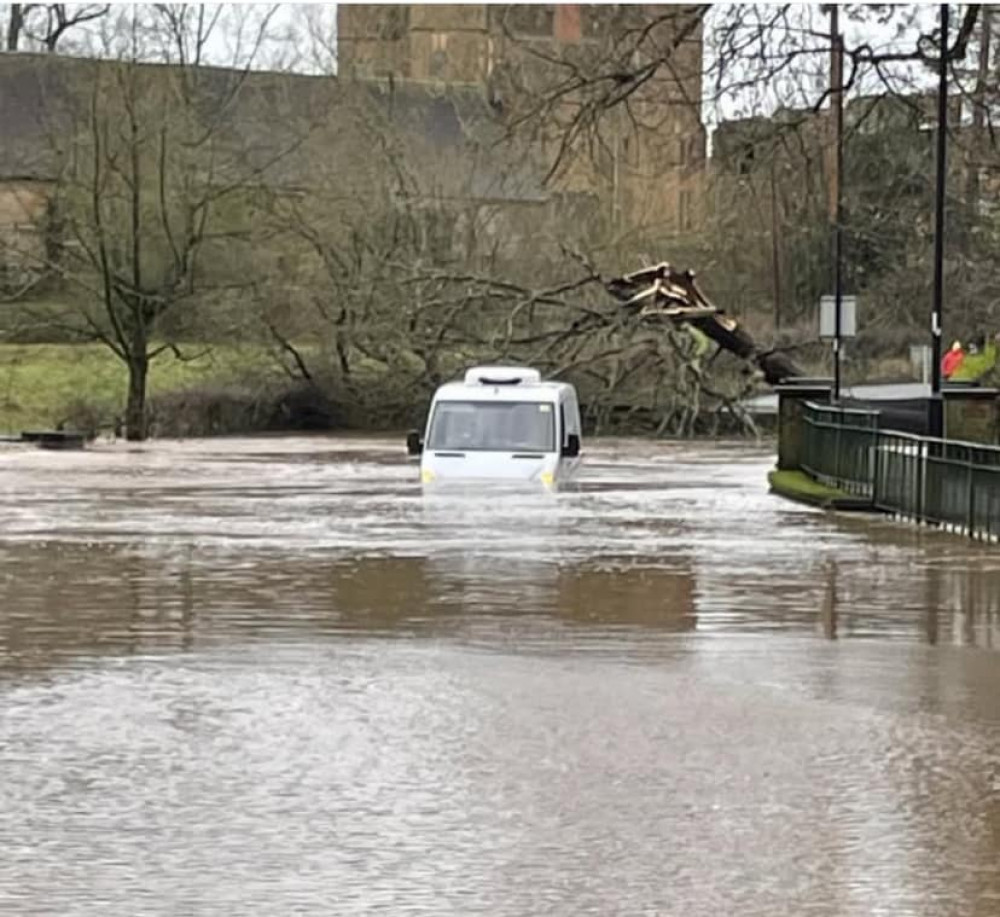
(271, 676)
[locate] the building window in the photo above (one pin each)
(684, 210)
(438, 63)
(687, 151)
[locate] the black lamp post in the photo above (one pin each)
(837, 67)
(935, 414)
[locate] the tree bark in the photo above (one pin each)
(776, 367)
(135, 408)
(775, 249)
(14, 26)
(975, 157)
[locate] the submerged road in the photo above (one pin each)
(269, 676)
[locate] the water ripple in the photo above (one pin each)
(269, 676)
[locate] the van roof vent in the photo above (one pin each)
(501, 375)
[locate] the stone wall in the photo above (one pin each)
(972, 415)
(792, 398)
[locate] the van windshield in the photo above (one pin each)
(493, 426)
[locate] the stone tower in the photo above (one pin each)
(650, 162)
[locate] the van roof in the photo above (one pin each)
(502, 383)
(531, 391)
(502, 375)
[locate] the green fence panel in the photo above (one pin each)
(934, 481)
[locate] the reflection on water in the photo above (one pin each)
(202, 538)
(270, 676)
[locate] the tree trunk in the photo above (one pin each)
(135, 408)
(976, 156)
(659, 292)
(775, 366)
(14, 26)
(775, 249)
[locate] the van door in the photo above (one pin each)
(569, 424)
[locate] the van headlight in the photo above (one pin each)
(547, 478)
(426, 475)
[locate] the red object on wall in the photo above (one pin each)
(567, 22)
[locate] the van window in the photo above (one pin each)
(570, 415)
(492, 426)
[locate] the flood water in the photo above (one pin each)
(270, 676)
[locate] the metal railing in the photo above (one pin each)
(933, 481)
(839, 447)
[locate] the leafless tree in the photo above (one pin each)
(393, 299)
(776, 54)
(154, 190)
(45, 24)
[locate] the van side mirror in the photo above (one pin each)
(414, 445)
(572, 447)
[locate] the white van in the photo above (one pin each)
(501, 423)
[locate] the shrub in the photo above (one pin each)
(242, 407)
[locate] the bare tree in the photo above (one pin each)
(776, 54)
(45, 24)
(360, 256)
(15, 25)
(156, 190)
(398, 286)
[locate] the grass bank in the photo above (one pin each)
(794, 485)
(227, 389)
(42, 385)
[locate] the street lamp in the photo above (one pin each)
(935, 409)
(837, 87)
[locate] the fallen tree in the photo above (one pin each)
(661, 293)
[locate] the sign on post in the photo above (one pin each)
(848, 316)
(921, 360)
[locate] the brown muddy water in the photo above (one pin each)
(271, 677)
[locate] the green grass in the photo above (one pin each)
(40, 382)
(976, 365)
(795, 485)
(802, 483)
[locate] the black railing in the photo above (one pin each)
(933, 481)
(839, 447)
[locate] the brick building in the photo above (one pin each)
(457, 85)
(645, 165)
